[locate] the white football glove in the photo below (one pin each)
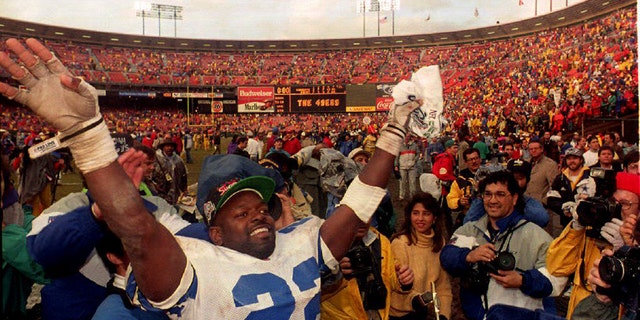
(73, 112)
(611, 232)
(571, 206)
(393, 132)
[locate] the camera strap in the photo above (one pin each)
(581, 271)
(509, 234)
(375, 250)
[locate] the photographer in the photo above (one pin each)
(464, 188)
(572, 181)
(615, 278)
(578, 247)
(362, 290)
(501, 257)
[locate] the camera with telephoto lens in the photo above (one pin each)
(360, 259)
(374, 293)
(622, 272)
(594, 212)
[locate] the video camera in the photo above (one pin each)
(594, 212)
(622, 272)
(605, 181)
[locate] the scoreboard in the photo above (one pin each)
(309, 99)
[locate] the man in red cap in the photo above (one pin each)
(573, 252)
(627, 195)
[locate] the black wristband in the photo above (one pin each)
(83, 130)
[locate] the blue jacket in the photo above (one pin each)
(63, 241)
(534, 211)
(526, 241)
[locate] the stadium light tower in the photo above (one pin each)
(142, 8)
(160, 11)
(364, 6)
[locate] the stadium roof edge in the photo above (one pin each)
(569, 16)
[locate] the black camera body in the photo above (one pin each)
(622, 272)
(594, 212)
(504, 261)
(605, 181)
(367, 270)
(477, 281)
(361, 260)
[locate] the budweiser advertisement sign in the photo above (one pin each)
(255, 100)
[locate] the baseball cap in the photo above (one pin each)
(519, 166)
(449, 144)
(573, 152)
(223, 176)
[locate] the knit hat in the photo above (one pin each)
(629, 182)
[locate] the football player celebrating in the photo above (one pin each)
(250, 270)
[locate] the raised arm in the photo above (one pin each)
(71, 106)
(367, 190)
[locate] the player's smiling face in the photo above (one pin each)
(244, 224)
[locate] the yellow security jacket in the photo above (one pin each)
(565, 257)
(345, 303)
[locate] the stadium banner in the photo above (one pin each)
(384, 100)
(201, 95)
(310, 99)
(361, 98)
(255, 100)
(137, 94)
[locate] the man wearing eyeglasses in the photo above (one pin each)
(574, 253)
(514, 293)
(543, 171)
(464, 188)
(628, 196)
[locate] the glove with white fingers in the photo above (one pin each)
(611, 232)
(68, 103)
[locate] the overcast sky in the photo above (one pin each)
(277, 19)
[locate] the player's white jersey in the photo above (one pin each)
(220, 283)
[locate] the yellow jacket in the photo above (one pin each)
(345, 302)
(565, 257)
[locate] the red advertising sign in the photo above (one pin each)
(255, 100)
(384, 103)
(216, 106)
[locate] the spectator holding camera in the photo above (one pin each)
(368, 274)
(614, 278)
(464, 187)
(574, 181)
(578, 248)
(501, 257)
(418, 244)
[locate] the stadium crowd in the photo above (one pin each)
(511, 200)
